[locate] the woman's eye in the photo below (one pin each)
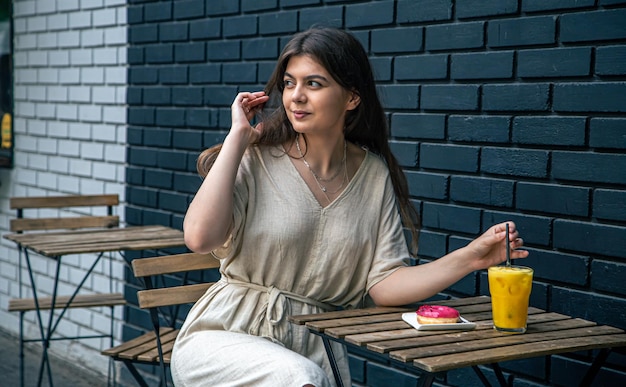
(289, 83)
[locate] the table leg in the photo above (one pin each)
(498, 371)
(46, 336)
(19, 276)
(45, 361)
(21, 348)
(333, 361)
(78, 287)
(133, 371)
(426, 380)
(44, 357)
(595, 366)
(481, 375)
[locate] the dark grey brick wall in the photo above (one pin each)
(498, 110)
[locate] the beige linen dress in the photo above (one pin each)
(288, 255)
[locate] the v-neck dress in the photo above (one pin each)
(288, 255)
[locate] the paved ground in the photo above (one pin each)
(64, 373)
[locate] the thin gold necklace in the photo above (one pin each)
(318, 179)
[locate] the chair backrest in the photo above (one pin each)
(73, 221)
(164, 302)
(145, 268)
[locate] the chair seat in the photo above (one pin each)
(144, 348)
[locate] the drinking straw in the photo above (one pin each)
(508, 247)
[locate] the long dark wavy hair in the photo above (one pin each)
(343, 56)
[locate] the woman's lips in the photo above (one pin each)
(299, 114)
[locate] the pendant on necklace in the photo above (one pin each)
(319, 180)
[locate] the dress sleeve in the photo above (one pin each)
(241, 194)
(391, 252)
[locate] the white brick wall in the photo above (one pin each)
(69, 136)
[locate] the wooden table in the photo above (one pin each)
(56, 245)
(382, 331)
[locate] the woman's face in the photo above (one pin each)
(313, 101)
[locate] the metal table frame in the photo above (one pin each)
(79, 242)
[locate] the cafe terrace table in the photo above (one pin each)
(56, 245)
(382, 331)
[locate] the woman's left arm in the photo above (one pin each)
(415, 283)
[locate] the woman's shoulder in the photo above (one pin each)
(375, 163)
(372, 170)
(263, 152)
(261, 156)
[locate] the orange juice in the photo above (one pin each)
(510, 289)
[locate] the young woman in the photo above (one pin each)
(306, 212)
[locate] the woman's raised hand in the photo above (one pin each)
(489, 249)
(245, 106)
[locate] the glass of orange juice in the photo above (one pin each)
(510, 288)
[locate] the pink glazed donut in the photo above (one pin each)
(437, 314)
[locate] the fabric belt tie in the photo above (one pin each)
(276, 309)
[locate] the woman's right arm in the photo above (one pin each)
(209, 217)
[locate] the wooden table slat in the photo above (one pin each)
(341, 332)
(459, 302)
(478, 315)
(147, 244)
(383, 344)
(474, 308)
(521, 351)
(305, 318)
(378, 341)
(51, 237)
(100, 240)
(472, 340)
(322, 325)
(338, 328)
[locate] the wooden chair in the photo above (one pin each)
(155, 347)
(76, 221)
(77, 213)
